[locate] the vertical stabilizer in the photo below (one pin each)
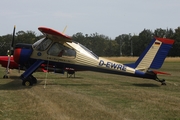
(154, 55)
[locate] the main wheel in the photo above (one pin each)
(27, 82)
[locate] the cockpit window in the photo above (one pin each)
(60, 50)
(42, 44)
(86, 50)
(93, 54)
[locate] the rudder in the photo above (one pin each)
(154, 55)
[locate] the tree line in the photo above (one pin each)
(122, 45)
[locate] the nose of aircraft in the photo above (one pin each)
(22, 53)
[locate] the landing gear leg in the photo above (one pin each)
(162, 81)
(5, 76)
(70, 73)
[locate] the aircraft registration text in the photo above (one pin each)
(112, 65)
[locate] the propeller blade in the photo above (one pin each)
(10, 53)
(12, 42)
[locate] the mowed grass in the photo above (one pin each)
(92, 96)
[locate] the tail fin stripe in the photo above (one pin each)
(154, 55)
(160, 56)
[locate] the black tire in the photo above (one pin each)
(34, 80)
(27, 83)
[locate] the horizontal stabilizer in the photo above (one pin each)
(159, 72)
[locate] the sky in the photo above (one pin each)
(108, 17)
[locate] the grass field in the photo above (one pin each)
(92, 96)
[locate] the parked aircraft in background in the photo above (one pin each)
(58, 52)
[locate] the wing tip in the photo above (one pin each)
(47, 30)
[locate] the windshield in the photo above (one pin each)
(42, 44)
(37, 43)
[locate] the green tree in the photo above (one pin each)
(145, 38)
(102, 45)
(135, 49)
(124, 42)
(28, 37)
(5, 42)
(175, 51)
(160, 33)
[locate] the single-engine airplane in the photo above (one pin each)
(59, 52)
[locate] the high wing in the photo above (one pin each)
(55, 35)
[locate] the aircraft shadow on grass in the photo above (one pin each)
(87, 84)
(145, 85)
(14, 84)
(91, 84)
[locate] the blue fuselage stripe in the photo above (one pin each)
(97, 69)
